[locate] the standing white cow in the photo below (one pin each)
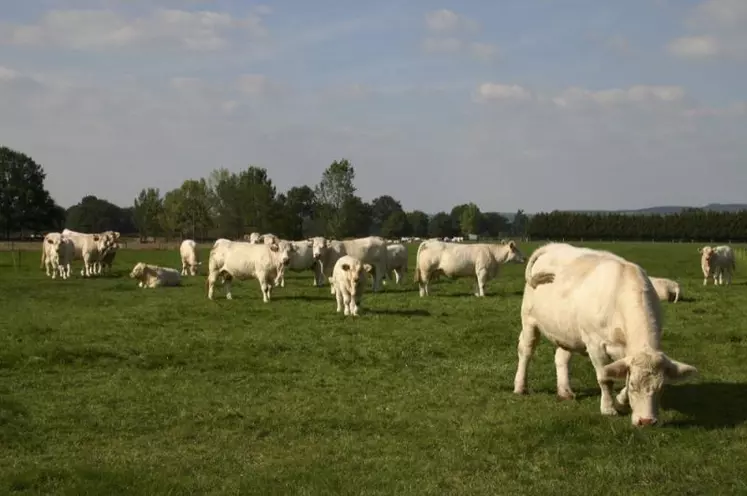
(371, 250)
(269, 239)
(396, 261)
(90, 248)
(188, 255)
(302, 259)
(57, 255)
(153, 276)
(237, 260)
(598, 304)
(253, 237)
(481, 260)
(715, 262)
(348, 282)
(666, 288)
(107, 259)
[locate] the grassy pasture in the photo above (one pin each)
(109, 389)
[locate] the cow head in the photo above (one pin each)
(706, 255)
(318, 247)
(138, 271)
(54, 242)
(284, 250)
(356, 273)
(646, 373)
(513, 254)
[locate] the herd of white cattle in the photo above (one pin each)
(585, 301)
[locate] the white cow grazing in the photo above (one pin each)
(666, 288)
(302, 259)
(153, 276)
(481, 260)
(371, 250)
(247, 260)
(188, 254)
(348, 282)
(90, 248)
(597, 303)
(715, 262)
(57, 255)
(396, 261)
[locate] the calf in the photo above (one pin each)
(715, 262)
(371, 250)
(595, 303)
(57, 255)
(153, 276)
(247, 260)
(302, 259)
(396, 261)
(666, 288)
(188, 254)
(481, 260)
(348, 281)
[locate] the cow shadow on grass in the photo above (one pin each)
(709, 405)
(325, 297)
(403, 312)
(496, 294)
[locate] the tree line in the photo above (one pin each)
(232, 204)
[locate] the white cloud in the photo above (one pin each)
(95, 30)
(446, 21)
(442, 45)
(503, 92)
(718, 29)
(617, 96)
(452, 46)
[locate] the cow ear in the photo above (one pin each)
(345, 267)
(49, 240)
(274, 247)
(616, 370)
(675, 371)
(96, 237)
(512, 244)
(368, 267)
(700, 250)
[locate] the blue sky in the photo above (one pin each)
(533, 104)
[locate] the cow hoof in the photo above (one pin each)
(521, 391)
(566, 396)
(610, 411)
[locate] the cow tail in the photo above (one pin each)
(535, 280)
(418, 277)
(676, 293)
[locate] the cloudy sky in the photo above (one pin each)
(533, 104)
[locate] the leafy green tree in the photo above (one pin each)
(418, 223)
(382, 208)
(147, 210)
(520, 223)
(334, 195)
(440, 225)
(396, 225)
(94, 214)
(24, 202)
(494, 224)
(187, 210)
(298, 206)
(470, 221)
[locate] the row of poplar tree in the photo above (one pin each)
(231, 204)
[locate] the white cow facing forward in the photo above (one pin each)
(57, 255)
(237, 260)
(715, 262)
(666, 288)
(348, 282)
(302, 259)
(597, 303)
(480, 260)
(188, 255)
(371, 250)
(153, 276)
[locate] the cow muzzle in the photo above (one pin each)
(643, 422)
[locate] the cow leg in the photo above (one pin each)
(527, 344)
(728, 276)
(379, 274)
(423, 283)
(562, 372)
(211, 280)
(265, 287)
(482, 277)
(340, 301)
(346, 303)
(599, 359)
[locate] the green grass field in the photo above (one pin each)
(108, 389)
